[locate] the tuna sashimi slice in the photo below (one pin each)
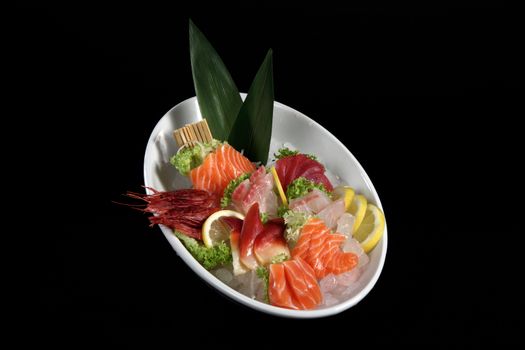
(292, 167)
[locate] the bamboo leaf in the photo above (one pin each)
(218, 96)
(252, 130)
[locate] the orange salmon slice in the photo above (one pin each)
(219, 168)
(293, 285)
(321, 249)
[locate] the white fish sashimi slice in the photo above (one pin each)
(313, 202)
(257, 189)
(332, 213)
(353, 246)
(345, 224)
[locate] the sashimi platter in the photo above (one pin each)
(260, 201)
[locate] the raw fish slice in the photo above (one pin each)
(251, 228)
(238, 267)
(322, 249)
(353, 246)
(345, 224)
(238, 194)
(332, 213)
(301, 280)
(258, 188)
(292, 167)
(293, 285)
(219, 168)
(235, 225)
(312, 202)
(271, 242)
(278, 291)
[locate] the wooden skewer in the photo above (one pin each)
(189, 134)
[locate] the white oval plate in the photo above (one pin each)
(289, 126)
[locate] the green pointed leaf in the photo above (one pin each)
(218, 96)
(252, 130)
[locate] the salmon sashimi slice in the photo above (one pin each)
(300, 278)
(293, 285)
(278, 291)
(219, 168)
(321, 249)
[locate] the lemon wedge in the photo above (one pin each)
(371, 229)
(214, 230)
(278, 185)
(345, 192)
(358, 209)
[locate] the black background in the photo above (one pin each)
(425, 97)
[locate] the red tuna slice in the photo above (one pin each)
(258, 188)
(271, 242)
(251, 228)
(293, 167)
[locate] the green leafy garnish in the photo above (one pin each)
(301, 186)
(286, 152)
(218, 96)
(294, 221)
(188, 158)
(246, 125)
(279, 258)
(227, 196)
(209, 258)
(264, 275)
(283, 209)
(252, 130)
(264, 218)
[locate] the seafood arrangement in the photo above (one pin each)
(281, 233)
(279, 230)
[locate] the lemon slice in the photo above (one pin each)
(358, 209)
(371, 229)
(278, 185)
(214, 230)
(345, 192)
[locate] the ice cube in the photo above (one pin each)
(329, 300)
(328, 283)
(224, 275)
